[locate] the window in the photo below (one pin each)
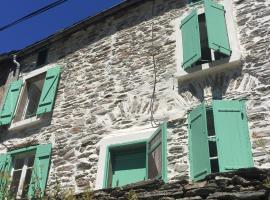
(137, 161)
(30, 98)
(194, 1)
(205, 37)
(42, 57)
(27, 170)
(21, 174)
(29, 101)
(218, 138)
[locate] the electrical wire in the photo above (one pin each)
(33, 14)
(154, 124)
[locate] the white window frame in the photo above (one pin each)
(215, 66)
(119, 137)
(23, 174)
(24, 123)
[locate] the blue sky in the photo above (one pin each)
(45, 24)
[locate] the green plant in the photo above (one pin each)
(267, 182)
(68, 194)
(5, 181)
(87, 194)
(131, 195)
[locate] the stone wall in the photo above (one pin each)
(107, 82)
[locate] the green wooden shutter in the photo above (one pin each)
(190, 40)
(5, 164)
(49, 90)
(156, 149)
(198, 143)
(41, 170)
(10, 102)
(218, 39)
(231, 127)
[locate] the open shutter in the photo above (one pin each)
(198, 143)
(49, 91)
(233, 143)
(41, 170)
(5, 164)
(218, 39)
(190, 40)
(157, 154)
(10, 102)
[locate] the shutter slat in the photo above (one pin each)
(218, 39)
(231, 127)
(10, 102)
(49, 91)
(198, 143)
(190, 40)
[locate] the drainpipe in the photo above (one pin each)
(17, 70)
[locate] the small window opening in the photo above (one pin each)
(30, 98)
(212, 141)
(127, 165)
(42, 57)
(205, 50)
(21, 174)
(210, 122)
(219, 55)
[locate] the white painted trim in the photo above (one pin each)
(123, 136)
(34, 120)
(25, 123)
(22, 179)
(37, 72)
(234, 59)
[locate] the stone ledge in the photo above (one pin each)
(246, 184)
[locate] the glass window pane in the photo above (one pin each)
(31, 161)
(26, 183)
(15, 181)
(19, 162)
(155, 163)
(33, 96)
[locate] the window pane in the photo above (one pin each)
(26, 183)
(31, 161)
(19, 163)
(155, 163)
(15, 182)
(33, 96)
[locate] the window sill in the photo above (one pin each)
(206, 69)
(25, 123)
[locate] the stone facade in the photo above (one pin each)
(107, 82)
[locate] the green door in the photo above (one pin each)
(128, 166)
(233, 143)
(198, 143)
